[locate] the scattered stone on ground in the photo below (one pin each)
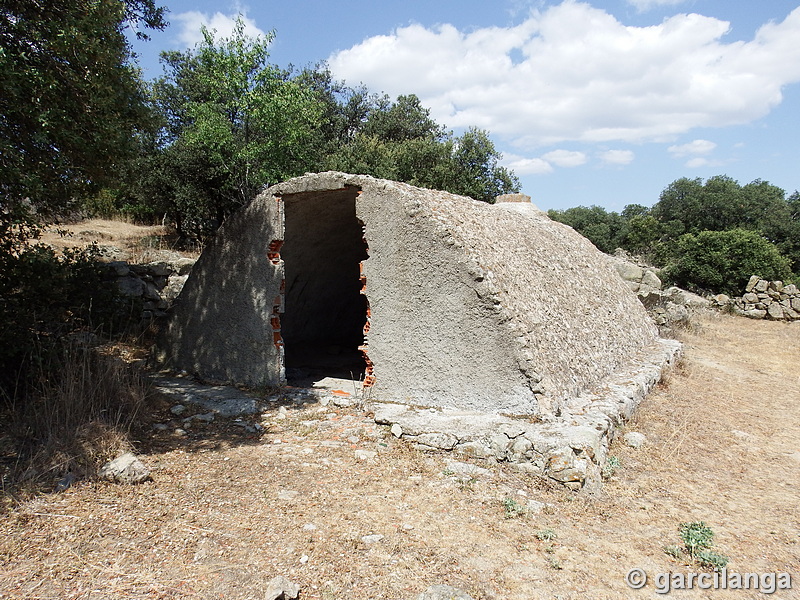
(634, 439)
(280, 588)
(444, 592)
(365, 454)
(125, 469)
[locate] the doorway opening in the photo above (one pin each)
(325, 312)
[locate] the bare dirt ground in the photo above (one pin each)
(227, 510)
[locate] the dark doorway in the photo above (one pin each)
(325, 311)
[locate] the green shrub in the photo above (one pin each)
(697, 536)
(44, 298)
(723, 261)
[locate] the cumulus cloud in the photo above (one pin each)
(565, 158)
(697, 152)
(527, 166)
(190, 23)
(699, 162)
(584, 76)
(617, 157)
(697, 147)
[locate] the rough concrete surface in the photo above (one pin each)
(430, 298)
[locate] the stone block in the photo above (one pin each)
(775, 311)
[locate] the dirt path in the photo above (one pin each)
(229, 510)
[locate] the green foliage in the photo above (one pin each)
(44, 298)
(698, 540)
(602, 228)
(711, 559)
(708, 236)
(696, 536)
(231, 124)
(71, 99)
(475, 169)
(723, 261)
(399, 140)
(612, 464)
(513, 509)
(546, 535)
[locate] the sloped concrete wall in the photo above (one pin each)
(470, 306)
(221, 326)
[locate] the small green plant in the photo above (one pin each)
(711, 559)
(513, 509)
(696, 536)
(698, 540)
(466, 484)
(612, 464)
(554, 563)
(545, 535)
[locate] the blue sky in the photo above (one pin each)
(598, 102)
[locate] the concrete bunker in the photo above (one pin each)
(429, 298)
(325, 309)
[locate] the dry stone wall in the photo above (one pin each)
(767, 300)
(155, 285)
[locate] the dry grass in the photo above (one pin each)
(78, 417)
(217, 521)
(136, 243)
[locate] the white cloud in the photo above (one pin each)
(191, 22)
(565, 158)
(698, 162)
(617, 157)
(643, 5)
(584, 76)
(527, 166)
(697, 147)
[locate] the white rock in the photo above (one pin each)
(365, 454)
(535, 507)
(634, 439)
(396, 430)
(443, 592)
(280, 588)
(373, 538)
(125, 469)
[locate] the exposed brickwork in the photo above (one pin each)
(274, 251)
(369, 370)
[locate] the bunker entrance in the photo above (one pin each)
(325, 312)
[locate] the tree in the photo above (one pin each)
(71, 105)
(596, 224)
(723, 261)
(399, 140)
(476, 169)
(232, 124)
(71, 102)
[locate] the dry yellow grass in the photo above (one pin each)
(217, 521)
(139, 243)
